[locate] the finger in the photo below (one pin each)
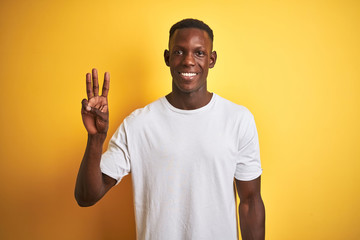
(85, 105)
(104, 108)
(95, 82)
(99, 114)
(89, 90)
(106, 84)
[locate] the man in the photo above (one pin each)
(184, 151)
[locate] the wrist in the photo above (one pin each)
(98, 138)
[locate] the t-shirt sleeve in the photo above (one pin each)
(248, 166)
(115, 162)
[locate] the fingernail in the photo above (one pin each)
(88, 108)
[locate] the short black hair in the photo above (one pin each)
(192, 23)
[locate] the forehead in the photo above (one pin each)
(190, 36)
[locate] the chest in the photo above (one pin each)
(186, 145)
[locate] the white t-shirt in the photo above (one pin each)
(183, 164)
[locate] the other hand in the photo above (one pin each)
(95, 109)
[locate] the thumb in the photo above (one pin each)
(85, 105)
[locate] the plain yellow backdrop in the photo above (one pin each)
(294, 64)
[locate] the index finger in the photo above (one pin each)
(106, 84)
(89, 89)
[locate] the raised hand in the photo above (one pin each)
(95, 109)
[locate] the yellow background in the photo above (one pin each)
(294, 64)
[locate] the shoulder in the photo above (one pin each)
(146, 113)
(233, 109)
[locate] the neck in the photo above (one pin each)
(189, 101)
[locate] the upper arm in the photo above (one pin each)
(248, 189)
(251, 209)
(108, 182)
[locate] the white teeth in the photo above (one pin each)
(188, 74)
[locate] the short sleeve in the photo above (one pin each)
(248, 166)
(115, 162)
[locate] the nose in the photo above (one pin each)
(189, 59)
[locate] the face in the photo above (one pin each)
(189, 57)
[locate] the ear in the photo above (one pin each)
(213, 57)
(167, 57)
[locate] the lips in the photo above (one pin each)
(188, 75)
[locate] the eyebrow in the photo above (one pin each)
(196, 47)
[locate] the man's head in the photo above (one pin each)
(192, 23)
(190, 55)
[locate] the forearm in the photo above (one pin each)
(252, 219)
(89, 184)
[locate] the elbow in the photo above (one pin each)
(252, 204)
(84, 202)
(252, 207)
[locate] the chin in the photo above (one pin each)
(189, 89)
(188, 86)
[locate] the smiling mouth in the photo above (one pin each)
(188, 74)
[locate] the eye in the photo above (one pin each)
(178, 52)
(200, 53)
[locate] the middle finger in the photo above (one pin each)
(95, 82)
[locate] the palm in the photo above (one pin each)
(97, 119)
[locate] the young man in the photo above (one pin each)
(183, 151)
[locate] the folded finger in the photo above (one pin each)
(104, 108)
(106, 84)
(99, 114)
(95, 82)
